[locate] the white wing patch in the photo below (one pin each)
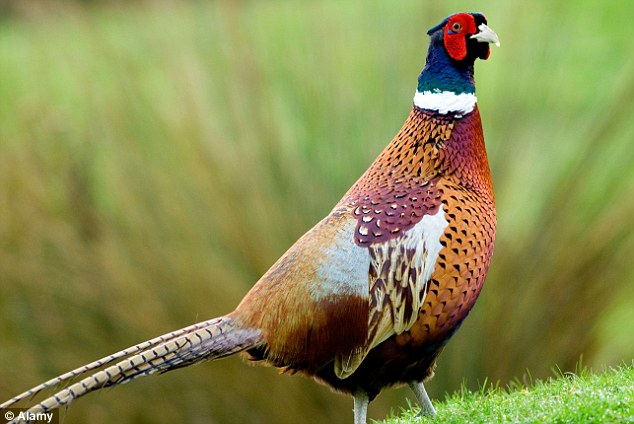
(392, 275)
(342, 268)
(402, 269)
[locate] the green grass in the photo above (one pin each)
(585, 398)
(157, 157)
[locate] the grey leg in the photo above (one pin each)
(426, 407)
(361, 401)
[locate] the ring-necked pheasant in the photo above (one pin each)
(369, 297)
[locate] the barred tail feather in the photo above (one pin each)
(207, 340)
(54, 382)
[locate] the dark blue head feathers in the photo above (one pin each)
(443, 72)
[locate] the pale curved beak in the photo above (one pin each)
(486, 35)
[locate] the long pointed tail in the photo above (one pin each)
(207, 340)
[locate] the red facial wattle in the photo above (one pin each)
(456, 33)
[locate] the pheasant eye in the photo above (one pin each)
(456, 27)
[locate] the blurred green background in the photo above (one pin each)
(157, 157)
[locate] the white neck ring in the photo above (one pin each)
(445, 102)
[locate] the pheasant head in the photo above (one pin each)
(446, 83)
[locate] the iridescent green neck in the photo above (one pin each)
(441, 73)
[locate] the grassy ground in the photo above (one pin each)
(584, 399)
(156, 158)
